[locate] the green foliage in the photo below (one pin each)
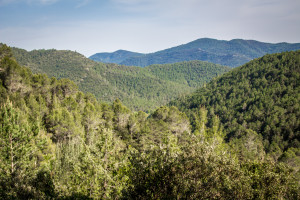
(92, 169)
(270, 181)
(16, 152)
(203, 170)
(249, 146)
(5, 51)
(22, 155)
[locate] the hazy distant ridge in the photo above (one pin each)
(231, 53)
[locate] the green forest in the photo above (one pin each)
(138, 88)
(258, 101)
(236, 137)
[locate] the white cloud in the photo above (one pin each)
(43, 2)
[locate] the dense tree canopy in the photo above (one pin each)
(257, 102)
(57, 142)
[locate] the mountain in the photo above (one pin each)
(115, 57)
(60, 143)
(60, 64)
(138, 88)
(231, 53)
(258, 101)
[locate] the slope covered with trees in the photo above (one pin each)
(257, 102)
(59, 143)
(137, 88)
(114, 57)
(152, 86)
(60, 64)
(231, 53)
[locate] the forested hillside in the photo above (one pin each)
(231, 53)
(138, 88)
(257, 102)
(59, 143)
(114, 57)
(60, 64)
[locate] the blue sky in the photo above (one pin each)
(91, 26)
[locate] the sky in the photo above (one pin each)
(145, 26)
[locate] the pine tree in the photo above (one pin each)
(17, 160)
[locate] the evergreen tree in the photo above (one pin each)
(20, 146)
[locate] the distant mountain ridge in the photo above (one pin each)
(231, 53)
(114, 57)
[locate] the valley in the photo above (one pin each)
(138, 88)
